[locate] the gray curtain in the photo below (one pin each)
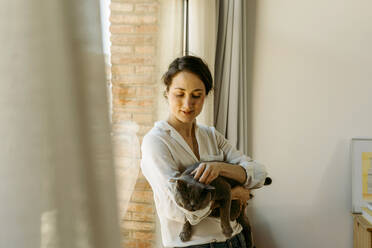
(57, 176)
(231, 90)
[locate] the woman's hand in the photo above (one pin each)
(206, 172)
(240, 193)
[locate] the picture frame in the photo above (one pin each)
(361, 167)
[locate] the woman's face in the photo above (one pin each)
(186, 96)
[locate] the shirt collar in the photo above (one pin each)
(167, 127)
(164, 125)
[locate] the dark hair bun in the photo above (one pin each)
(191, 64)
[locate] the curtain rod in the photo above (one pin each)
(185, 47)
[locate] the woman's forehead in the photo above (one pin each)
(187, 81)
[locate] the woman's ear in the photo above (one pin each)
(165, 94)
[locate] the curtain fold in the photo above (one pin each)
(56, 161)
(202, 39)
(169, 42)
(231, 92)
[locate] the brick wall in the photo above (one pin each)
(134, 28)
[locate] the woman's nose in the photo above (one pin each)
(188, 102)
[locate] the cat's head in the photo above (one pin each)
(190, 194)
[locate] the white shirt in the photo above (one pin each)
(164, 153)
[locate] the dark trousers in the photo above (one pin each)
(238, 241)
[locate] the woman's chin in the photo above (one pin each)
(185, 119)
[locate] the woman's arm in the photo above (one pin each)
(208, 171)
(236, 166)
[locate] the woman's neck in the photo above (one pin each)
(185, 129)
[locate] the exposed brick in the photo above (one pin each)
(122, 50)
(146, 7)
(145, 49)
(121, 29)
(133, 91)
(133, 19)
(134, 28)
(135, 216)
(118, 6)
(133, 1)
(143, 235)
(137, 244)
(124, 91)
(143, 128)
(142, 196)
(119, 39)
(145, 69)
(148, 29)
(147, 80)
(122, 69)
(129, 243)
(143, 118)
(140, 175)
(130, 60)
(136, 225)
(125, 234)
(121, 116)
(140, 207)
(134, 102)
(127, 216)
(142, 185)
(146, 91)
(144, 244)
(148, 217)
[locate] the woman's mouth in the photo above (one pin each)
(187, 112)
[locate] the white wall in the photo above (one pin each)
(311, 93)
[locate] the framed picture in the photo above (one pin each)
(361, 166)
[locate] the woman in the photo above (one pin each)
(178, 142)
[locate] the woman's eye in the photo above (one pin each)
(196, 96)
(179, 95)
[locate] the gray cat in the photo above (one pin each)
(193, 196)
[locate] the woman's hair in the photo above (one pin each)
(191, 64)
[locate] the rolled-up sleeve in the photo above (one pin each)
(158, 167)
(256, 172)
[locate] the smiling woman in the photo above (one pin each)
(178, 142)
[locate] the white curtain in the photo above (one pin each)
(169, 46)
(202, 43)
(57, 175)
(203, 33)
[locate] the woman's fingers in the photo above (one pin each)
(213, 175)
(207, 171)
(198, 171)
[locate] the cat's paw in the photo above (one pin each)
(185, 235)
(227, 231)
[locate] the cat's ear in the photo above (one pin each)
(181, 184)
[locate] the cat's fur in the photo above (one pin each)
(193, 195)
